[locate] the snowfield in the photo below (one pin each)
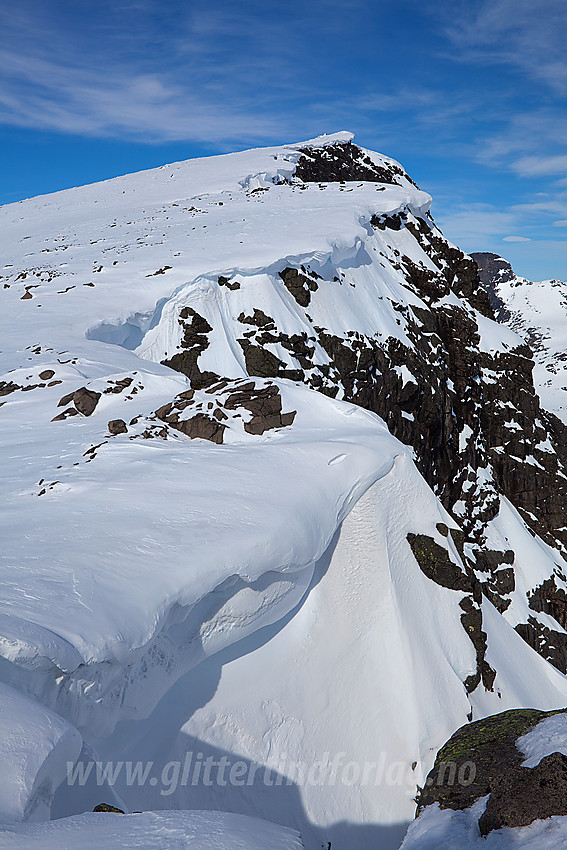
(249, 593)
(437, 828)
(166, 830)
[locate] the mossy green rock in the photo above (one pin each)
(477, 757)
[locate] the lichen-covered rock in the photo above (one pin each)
(434, 561)
(106, 807)
(482, 759)
(518, 797)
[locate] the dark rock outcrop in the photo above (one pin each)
(482, 759)
(194, 342)
(106, 807)
(228, 401)
(341, 162)
(203, 427)
(489, 745)
(471, 415)
(85, 400)
(521, 796)
(7, 387)
(299, 285)
(549, 643)
(435, 563)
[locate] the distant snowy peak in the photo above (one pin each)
(494, 270)
(538, 312)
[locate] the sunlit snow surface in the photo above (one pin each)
(163, 830)
(258, 598)
(443, 828)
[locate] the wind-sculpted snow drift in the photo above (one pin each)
(256, 493)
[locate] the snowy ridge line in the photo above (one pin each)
(338, 256)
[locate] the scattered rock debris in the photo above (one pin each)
(233, 400)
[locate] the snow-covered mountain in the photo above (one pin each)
(538, 312)
(278, 492)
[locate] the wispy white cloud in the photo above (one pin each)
(197, 80)
(47, 95)
(537, 166)
(516, 239)
(529, 36)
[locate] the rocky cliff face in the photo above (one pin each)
(537, 488)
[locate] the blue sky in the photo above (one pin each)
(469, 96)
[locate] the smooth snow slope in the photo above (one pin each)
(130, 559)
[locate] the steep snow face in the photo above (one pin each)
(198, 487)
(336, 724)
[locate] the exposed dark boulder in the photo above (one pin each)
(106, 807)
(117, 426)
(479, 758)
(520, 796)
(203, 427)
(85, 400)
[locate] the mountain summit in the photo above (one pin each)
(278, 489)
